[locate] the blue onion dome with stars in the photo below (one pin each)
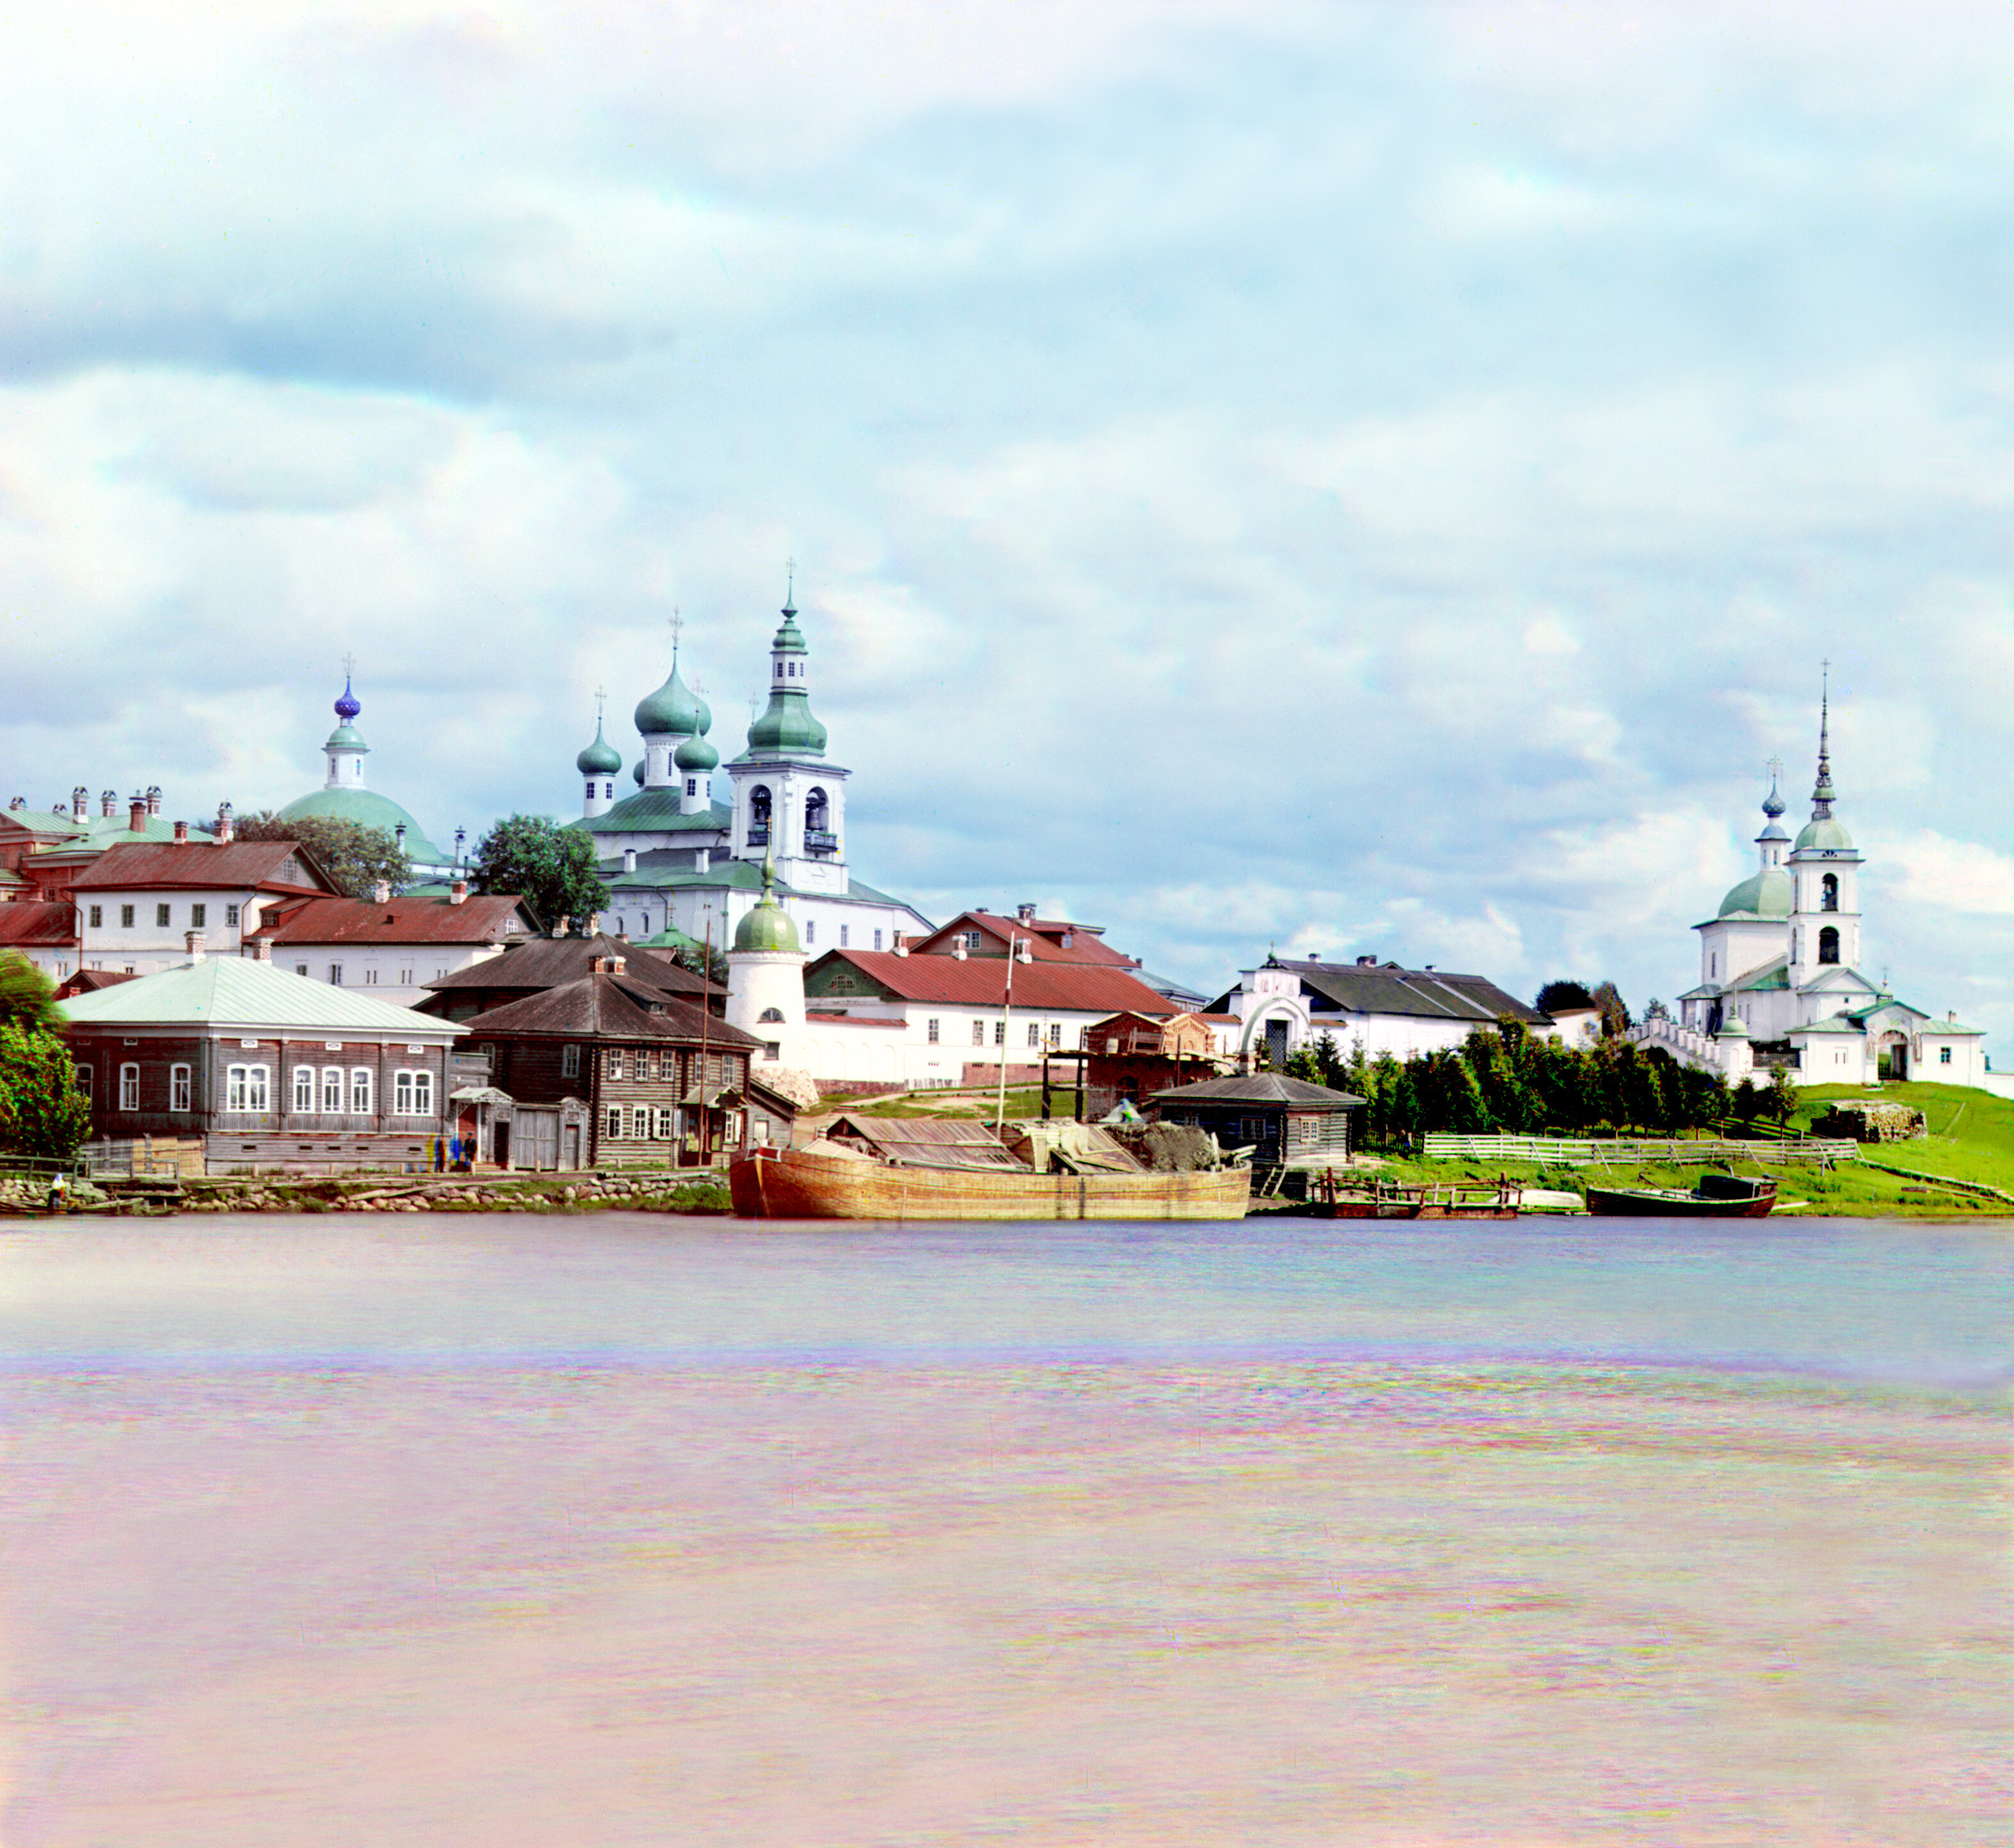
(343, 797)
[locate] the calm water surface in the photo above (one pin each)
(628, 1529)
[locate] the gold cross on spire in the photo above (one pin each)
(601, 703)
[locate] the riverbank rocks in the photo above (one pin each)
(1870, 1120)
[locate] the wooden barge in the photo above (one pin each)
(796, 1183)
(1717, 1197)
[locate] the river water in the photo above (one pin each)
(621, 1529)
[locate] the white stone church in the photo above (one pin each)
(1780, 977)
(680, 864)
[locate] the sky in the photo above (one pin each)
(1346, 479)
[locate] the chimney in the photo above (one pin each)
(227, 829)
(611, 965)
(181, 834)
(703, 860)
(80, 803)
(136, 818)
(261, 951)
(1952, 1017)
(629, 859)
(108, 801)
(153, 798)
(457, 893)
(194, 939)
(566, 925)
(958, 948)
(381, 894)
(1366, 962)
(594, 923)
(1025, 913)
(19, 803)
(901, 948)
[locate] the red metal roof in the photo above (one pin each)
(981, 982)
(268, 865)
(1044, 938)
(38, 924)
(475, 920)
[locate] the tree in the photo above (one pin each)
(1563, 994)
(551, 867)
(42, 1112)
(1781, 1098)
(357, 859)
(690, 959)
(1615, 1021)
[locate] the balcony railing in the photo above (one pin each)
(758, 836)
(821, 840)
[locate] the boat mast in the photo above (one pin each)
(1017, 951)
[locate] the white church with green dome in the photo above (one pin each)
(1779, 969)
(343, 797)
(680, 864)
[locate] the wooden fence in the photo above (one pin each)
(1586, 1151)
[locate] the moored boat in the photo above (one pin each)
(796, 1183)
(1717, 1197)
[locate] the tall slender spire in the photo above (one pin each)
(1822, 794)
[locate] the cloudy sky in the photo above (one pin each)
(1360, 479)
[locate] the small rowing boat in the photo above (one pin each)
(1717, 1197)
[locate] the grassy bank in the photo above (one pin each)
(1971, 1139)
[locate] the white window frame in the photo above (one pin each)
(613, 1067)
(639, 1122)
(932, 1029)
(129, 1085)
(611, 1128)
(662, 1132)
(335, 975)
(361, 1086)
(978, 1032)
(85, 1076)
(304, 1089)
(332, 1091)
(181, 1089)
(412, 1092)
(245, 1090)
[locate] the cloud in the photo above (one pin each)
(1960, 875)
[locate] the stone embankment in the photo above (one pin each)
(585, 1192)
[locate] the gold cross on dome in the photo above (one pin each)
(600, 701)
(348, 666)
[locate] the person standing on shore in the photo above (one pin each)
(58, 1194)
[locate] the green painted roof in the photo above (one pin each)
(601, 758)
(674, 708)
(1732, 1028)
(367, 809)
(1768, 893)
(1827, 833)
(656, 811)
(1833, 1024)
(1771, 975)
(236, 991)
(347, 738)
(765, 928)
(669, 938)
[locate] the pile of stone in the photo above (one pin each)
(1868, 1120)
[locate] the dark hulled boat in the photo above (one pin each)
(1717, 1197)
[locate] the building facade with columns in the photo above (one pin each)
(679, 855)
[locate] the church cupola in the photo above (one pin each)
(695, 761)
(346, 748)
(601, 763)
(1774, 841)
(672, 713)
(788, 727)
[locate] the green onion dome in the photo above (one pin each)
(696, 754)
(673, 709)
(1770, 894)
(1824, 831)
(638, 773)
(766, 926)
(601, 758)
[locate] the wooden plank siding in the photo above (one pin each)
(653, 1077)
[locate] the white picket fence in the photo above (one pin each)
(1587, 1151)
